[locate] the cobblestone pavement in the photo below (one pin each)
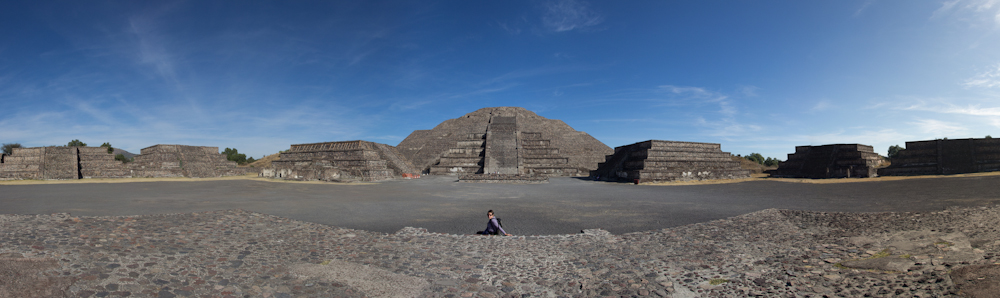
(238, 253)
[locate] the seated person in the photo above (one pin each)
(493, 226)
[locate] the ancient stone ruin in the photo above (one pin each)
(944, 157)
(183, 161)
(503, 141)
(661, 161)
(830, 161)
(61, 163)
(95, 162)
(340, 161)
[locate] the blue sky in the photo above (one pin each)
(755, 76)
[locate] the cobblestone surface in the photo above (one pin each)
(237, 253)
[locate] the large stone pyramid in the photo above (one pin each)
(506, 141)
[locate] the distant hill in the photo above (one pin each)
(123, 152)
(755, 168)
(264, 162)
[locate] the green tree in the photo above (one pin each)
(76, 143)
(121, 157)
(771, 162)
(988, 137)
(8, 148)
(233, 155)
(108, 145)
(755, 157)
(894, 150)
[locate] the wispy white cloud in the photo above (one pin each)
(937, 128)
(973, 11)
(986, 79)
(948, 108)
(567, 15)
(749, 91)
(863, 7)
(821, 105)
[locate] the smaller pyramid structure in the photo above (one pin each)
(61, 163)
(830, 161)
(183, 161)
(340, 161)
(661, 161)
(945, 157)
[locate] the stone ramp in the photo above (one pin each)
(501, 146)
(830, 161)
(659, 161)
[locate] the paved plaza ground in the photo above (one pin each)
(439, 204)
(934, 237)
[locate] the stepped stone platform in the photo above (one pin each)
(340, 161)
(61, 163)
(506, 141)
(661, 161)
(830, 161)
(944, 157)
(183, 161)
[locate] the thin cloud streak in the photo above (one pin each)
(567, 15)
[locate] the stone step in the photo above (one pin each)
(535, 143)
(640, 164)
(454, 170)
(544, 161)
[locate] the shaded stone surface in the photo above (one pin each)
(656, 160)
(340, 161)
(830, 161)
(977, 281)
(944, 157)
(503, 140)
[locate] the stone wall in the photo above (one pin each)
(61, 163)
(659, 161)
(183, 161)
(830, 161)
(943, 157)
(23, 163)
(340, 161)
(482, 142)
(96, 162)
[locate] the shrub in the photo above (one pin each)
(76, 143)
(233, 155)
(121, 157)
(108, 145)
(894, 151)
(8, 148)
